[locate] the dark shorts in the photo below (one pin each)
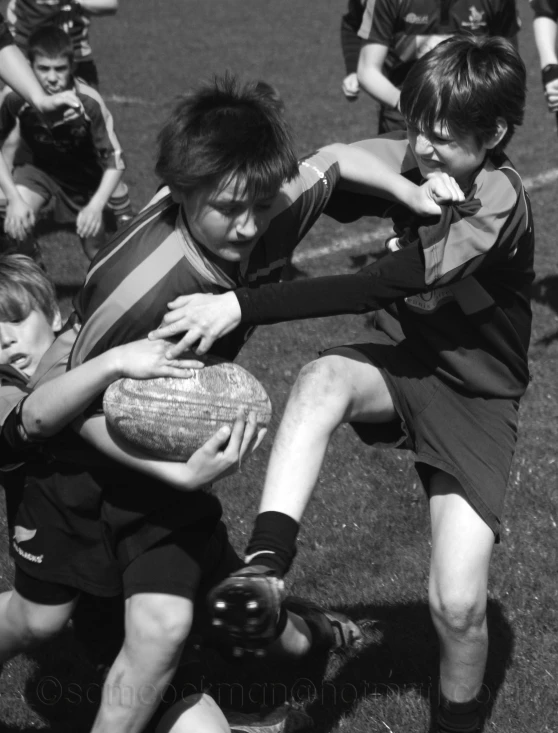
(471, 438)
(64, 207)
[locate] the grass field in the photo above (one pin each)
(364, 544)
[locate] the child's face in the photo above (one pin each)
(226, 220)
(54, 75)
(23, 343)
(443, 152)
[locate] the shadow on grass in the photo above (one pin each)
(399, 659)
(545, 292)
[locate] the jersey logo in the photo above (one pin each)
(429, 302)
(22, 534)
(476, 19)
(414, 19)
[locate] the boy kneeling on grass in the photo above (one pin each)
(445, 367)
(76, 164)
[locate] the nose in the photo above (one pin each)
(247, 225)
(52, 76)
(423, 145)
(7, 335)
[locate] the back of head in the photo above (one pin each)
(24, 287)
(51, 42)
(467, 83)
(225, 130)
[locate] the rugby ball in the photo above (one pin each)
(171, 418)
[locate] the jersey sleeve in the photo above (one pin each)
(106, 143)
(6, 38)
(378, 22)
(505, 21)
(481, 232)
(545, 8)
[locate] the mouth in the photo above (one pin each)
(21, 361)
(431, 164)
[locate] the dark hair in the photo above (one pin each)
(50, 41)
(467, 83)
(24, 287)
(222, 130)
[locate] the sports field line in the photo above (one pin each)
(382, 231)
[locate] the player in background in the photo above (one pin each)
(395, 34)
(446, 364)
(234, 205)
(76, 164)
(55, 537)
(544, 28)
(16, 72)
(350, 47)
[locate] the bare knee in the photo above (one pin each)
(157, 620)
(458, 613)
(38, 624)
(322, 383)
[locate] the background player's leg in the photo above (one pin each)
(24, 624)
(194, 714)
(334, 389)
(156, 626)
(461, 549)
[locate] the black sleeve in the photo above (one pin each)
(6, 38)
(15, 446)
(397, 275)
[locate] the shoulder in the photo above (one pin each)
(499, 185)
(89, 97)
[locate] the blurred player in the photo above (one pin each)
(544, 27)
(395, 34)
(445, 365)
(350, 46)
(76, 164)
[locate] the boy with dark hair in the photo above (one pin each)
(445, 367)
(233, 207)
(76, 164)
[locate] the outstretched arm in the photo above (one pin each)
(99, 7)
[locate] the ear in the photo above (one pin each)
(56, 321)
(501, 129)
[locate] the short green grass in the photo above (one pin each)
(364, 543)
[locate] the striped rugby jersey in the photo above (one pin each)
(411, 28)
(455, 288)
(155, 260)
(5, 35)
(25, 16)
(75, 153)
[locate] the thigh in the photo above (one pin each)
(462, 543)
(368, 396)
(194, 714)
(33, 199)
(39, 618)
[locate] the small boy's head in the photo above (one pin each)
(469, 91)
(29, 314)
(51, 55)
(224, 152)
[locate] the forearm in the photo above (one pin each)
(7, 182)
(367, 174)
(17, 73)
(55, 404)
(99, 7)
(376, 84)
(109, 181)
(396, 275)
(545, 39)
(177, 475)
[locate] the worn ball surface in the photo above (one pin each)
(171, 418)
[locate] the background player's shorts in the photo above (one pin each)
(470, 438)
(64, 207)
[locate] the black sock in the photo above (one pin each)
(458, 717)
(273, 542)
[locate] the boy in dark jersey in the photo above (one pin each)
(234, 206)
(56, 538)
(76, 164)
(446, 364)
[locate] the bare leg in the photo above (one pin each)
(156, 627)
(24, 624)
(330, 391)
(461, 549)
(195, 714)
